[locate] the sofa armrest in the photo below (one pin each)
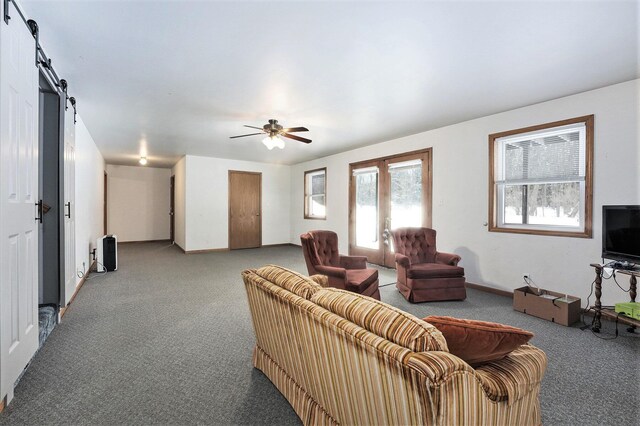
(513, 376)
(403, 260)
(437, 365)
(319, 279)
(353, 262)
(508, 379)
(332, 271)
(448, 258)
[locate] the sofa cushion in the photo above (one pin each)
(381, 319)
(294, 282)
(434, 270)
(479, 342)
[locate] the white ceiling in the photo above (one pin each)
(180, 77)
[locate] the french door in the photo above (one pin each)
(385, 194)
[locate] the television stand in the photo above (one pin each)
(600, 312)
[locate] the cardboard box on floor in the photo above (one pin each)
(549, 305)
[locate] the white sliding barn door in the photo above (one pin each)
(18, 198)
(69, 206)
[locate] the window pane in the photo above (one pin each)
(543, 158)
(554, 204)
(367, 210)
(317, 184)
(317, 206)
(406, 196)
(513, 204)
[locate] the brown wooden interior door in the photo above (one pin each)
(172, 221)
(384, 194)
(245, 210)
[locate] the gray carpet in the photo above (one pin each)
(168, 338)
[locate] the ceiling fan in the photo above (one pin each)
(273, 130)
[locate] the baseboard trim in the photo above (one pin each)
(225, 249)
(487, 289)
(145, 241)
(63, 310)
(218, 250)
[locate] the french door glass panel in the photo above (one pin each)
(367, 208)
(406, 196)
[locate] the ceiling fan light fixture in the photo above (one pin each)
(278, 142)
(273, 142)
(269, 142)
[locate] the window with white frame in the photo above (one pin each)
(315, 194)
(541, 179)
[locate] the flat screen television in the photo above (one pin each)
(621, 233)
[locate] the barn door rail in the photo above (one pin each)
(41, 59)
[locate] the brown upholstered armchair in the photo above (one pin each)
(320, 249)
(424, 274)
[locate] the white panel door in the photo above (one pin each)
(69, 206)
(18, 198)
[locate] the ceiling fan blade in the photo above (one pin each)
(250, 134)
(295, 129)
(298, 138)
(253, 127)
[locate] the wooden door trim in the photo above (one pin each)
(229, 204)
(427, 183)
(172, 206)
(392, 157)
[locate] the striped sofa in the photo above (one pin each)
(343, 358)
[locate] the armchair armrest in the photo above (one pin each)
(403, 260)
(448, 258)
(332, 271)
(353, 262)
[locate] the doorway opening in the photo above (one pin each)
(104, 203)
(384, 194)
(172, 201)
(245, 210)
(50, 214)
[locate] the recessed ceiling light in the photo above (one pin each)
(143, 161)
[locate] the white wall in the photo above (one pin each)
(180, 173)
(89, 196)
(138, 203)
(460, 192)
(207, 201)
